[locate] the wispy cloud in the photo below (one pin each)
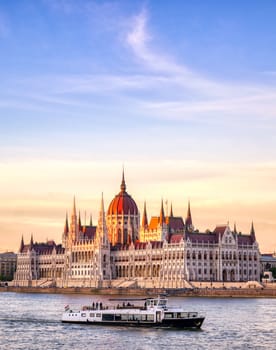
(157, 84)
(139, 40)
(236, 98)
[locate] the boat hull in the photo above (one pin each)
(177, 323)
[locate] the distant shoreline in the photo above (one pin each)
(198, 292)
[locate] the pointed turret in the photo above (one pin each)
(102, 233)
(129, 228)
(74, 229)
(235, 229)
(123, 183)
(66, 226)
(74, 207)
(84, 226)
(90, 223)
(21, 245)
(252, 232)
(31, 242)
(188, 221)
(162, 218)
(171, 213)
(145, 218)
(79, 221)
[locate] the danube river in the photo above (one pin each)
(32, 321)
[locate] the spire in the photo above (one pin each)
(101, 219)
(74, 229)
(66, 226)
(21, 245)
(252, 232)
(189, 222)
(129, 228)
(102, 205)
(101, 228)
(79, 221)
(171, 213)
(31, 242)
(123, 183)
(145, 217)
(74, 206)
(84, 226)
(162, 215)
(91, 223)
(235, 229)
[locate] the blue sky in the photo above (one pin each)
(185, 90)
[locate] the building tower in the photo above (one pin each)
(121, 215)
(252, 233)
(21, 245)
(65, 232)
(103, 246)
(188, 222)
(74, 226)
(145, 223)
(163, 227)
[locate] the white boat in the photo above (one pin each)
(154, 313)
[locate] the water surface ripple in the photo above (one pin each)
(32, 321)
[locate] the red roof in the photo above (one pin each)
(245, 240)
(220, 229)
(202, 237)
(138, 245)
(154, 223)
(89, 232)
(176, 238)
(122, 204)
(176, 224)
(156, 244)
(44, 248)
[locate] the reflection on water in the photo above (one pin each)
(32, 321)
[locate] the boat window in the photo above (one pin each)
(150, 317)
(124, 317)
(98, 315)
(143, 317)
(92, 315)
(108, 317)
(118, 317)
(83, 315)
(168, 315)
(183, 314)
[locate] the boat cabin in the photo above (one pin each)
(156, 303)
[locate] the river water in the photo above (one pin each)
(32, 321)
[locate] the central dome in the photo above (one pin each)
(122, 204)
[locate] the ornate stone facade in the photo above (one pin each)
(7, 266)
(166, 252)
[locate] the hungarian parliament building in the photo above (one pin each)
(127, 250)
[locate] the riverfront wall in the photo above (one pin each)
(233, 292)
